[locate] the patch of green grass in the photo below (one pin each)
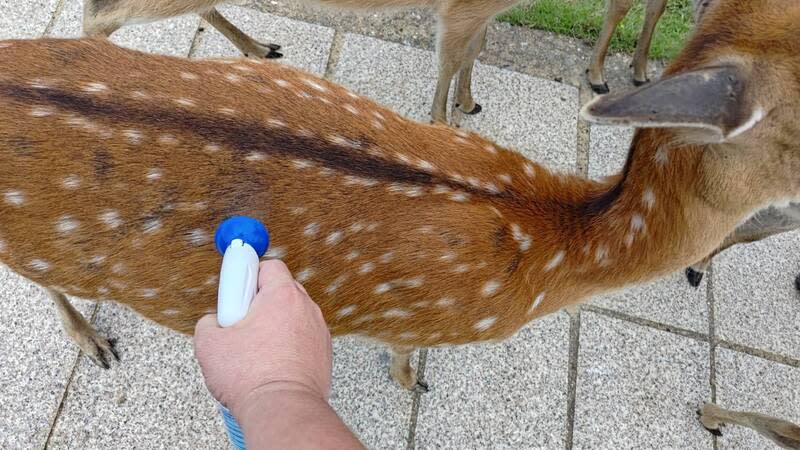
(583, 19)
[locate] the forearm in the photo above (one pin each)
(279, 419)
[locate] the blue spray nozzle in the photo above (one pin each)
(249, 230)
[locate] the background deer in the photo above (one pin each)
(768, 222)
(461, 34)
(112, 181)
(779, 431)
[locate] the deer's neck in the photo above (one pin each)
(656, 217)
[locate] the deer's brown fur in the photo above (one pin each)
(117, 166)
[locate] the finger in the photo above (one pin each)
(206, 323)
(273, 272)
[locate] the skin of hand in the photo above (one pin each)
(282, 344)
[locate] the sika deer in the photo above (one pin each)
(768, 222)
(781, 432)
(616, 11)
(461, 33)
(112, 181)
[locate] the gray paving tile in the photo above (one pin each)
(638, 387)
(671, 301)
(748, 383)
(154, 398)
(756, 302)
(507, 395)
(36, 358)
(304, 45)
(376, 408)
(608, 149)
(404, 79)
(169, 37)
(25, 19)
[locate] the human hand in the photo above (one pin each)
(282, 344)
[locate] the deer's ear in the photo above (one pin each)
(711, 100)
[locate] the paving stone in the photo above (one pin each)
(154, 398)
(36, 359)
(671, 300)
(169, 37)
(757, 304)
(303, 45)
(534, 116)
(638, 387)
(25, 19)
(376, 408)
(511, 394)
(749, 383)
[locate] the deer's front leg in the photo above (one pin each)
(94, 345)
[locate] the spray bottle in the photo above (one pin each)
(242, 241)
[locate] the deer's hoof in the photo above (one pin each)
(694, 277)
(273, 55)
(273, 46)
(100, 350)
(638, 83)
(420, 387)
(478, 108)
(600, 88)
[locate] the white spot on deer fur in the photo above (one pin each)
(536, 302)
(366, 268)
(421, 304)
(357, 227)
(325, 172)
(529, 170)
(211, 280)
(459, 197)
(282, 83)
(474, 182)
(212, 148)
(351, 109)
(133, 136)
(490, 148)
(661, 156)
(460, 141)
(648, 198)
(637, 223)
(311, 229)
(386, 257)
(442, 189)
(118, 269)
(14, 197)
(372, 227)
(301, 163)
(407, 335)
(628, 240)
(424, 165)
(276, 252)
(304, 275)
(337, 283)
(351, 94)
(377, 124)
(490, 287)
(41, 111)
(66, 225)
(484, 324)
(71, 182)
(3, 246)
(198, 237)
(555, 261)
(186, 102)
(396, 312)
(448, 256)
(97, 259)
(39, 265)
(154, 174)
(352, 255)
(600, 254)
(110, 218)
(188, 76)
(339, 140)
(413, 191)
(444, 302)
(461, 268)
(169, 312)
(242, 68)
(276, 123)
(523, 239)
(95, 87)
(297, 210)
(148, 292)
(491, 187)
(167, 139)
(315, 85)
(413, 282)
(102, 290)
(255, 156)
(228, 111)
(383, 288)
(505, 178)
(334, 238)
(117, 284)
(350, 180)
(346, 311)
(151, 226)
(233, 78)
(139, 95)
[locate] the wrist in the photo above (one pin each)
(256, 399)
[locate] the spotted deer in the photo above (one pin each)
(783, 433)
(765, 223)
(615, 12)
(460, 36)
(117, 166)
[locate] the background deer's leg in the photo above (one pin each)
(655, 8)
(247, 45)
(95, 346)
(464, 100)
(401, 369)
(616, 11)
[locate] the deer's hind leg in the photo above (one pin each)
(99, 21)
(94, 345)
(654, 11)
(464, 100)
(401, 370)
(617, 9)
(247, 45)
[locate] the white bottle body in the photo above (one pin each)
(238, 281)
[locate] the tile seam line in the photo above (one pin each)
(54, 17)
(572, 377)
(698, 336)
